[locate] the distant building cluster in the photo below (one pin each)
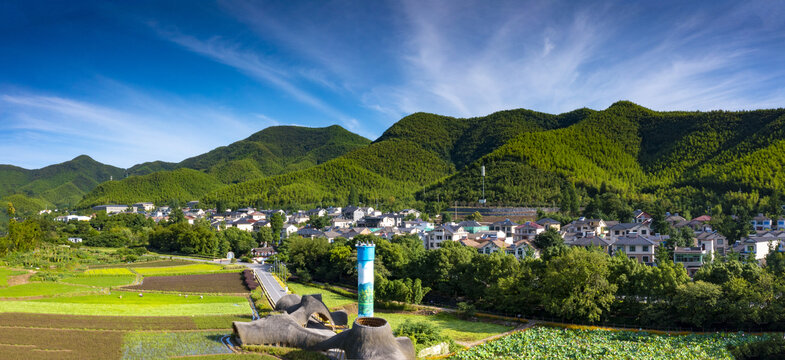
(635, 239)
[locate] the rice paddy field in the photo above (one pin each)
(139, 345)
(180, 270)
(104, 281)
(557, 343)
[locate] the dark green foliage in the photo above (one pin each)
(548, 239)
(771, 349)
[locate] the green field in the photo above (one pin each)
(555, 343)
(450, 325)
(42, 289)
(5, 273)
(109, 271)
(150, 304)
(331, 299)
(100, 280)
(179, 270)
(162, 345)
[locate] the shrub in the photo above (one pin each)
(46, 276)
(421, 332)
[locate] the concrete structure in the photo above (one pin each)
(365, 256)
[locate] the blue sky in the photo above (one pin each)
(128, 82)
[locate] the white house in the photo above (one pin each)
(147, 206)
(287, 230)
(75, 240)
(758, 246)
(434, 237)
(761, 222)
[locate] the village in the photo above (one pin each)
(636, 239)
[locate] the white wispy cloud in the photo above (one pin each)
(559, 57)
(43, 126)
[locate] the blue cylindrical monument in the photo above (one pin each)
(365, 255)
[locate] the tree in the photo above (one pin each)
(10, 210)
(548, 239)
(276, 224)
(696, 302)
(446, 218)
(176, 216)
(240, 242)
(265, 236)
(319, 222)
(475, 216)
(575, 285)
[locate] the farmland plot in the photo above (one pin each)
(204, 283)
(35, 344)
(179, 270)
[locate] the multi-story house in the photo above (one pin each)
(506, 226)
(527, 231)
(636, 246)
(718, 242)
(781, 223)
(592, 241)
(353, 213)
(623, 229)
(549, 223)
(435, 237)
(586, 227)
(693, 257)
(522, 248)
(761, 222)
(757, 247)
(492, 246)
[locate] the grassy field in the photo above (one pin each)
(132, 305)
(100, 281)
(162, 345)
(554, 343)
(231, 357)
(42, 289)
(157, 263)
(204, 283)
(179, 270)
(450, 325)
(331, 299)
(5, 273)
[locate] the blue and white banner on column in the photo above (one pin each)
(365, 256)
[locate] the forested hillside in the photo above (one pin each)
(272, 151)
(62, 184)
(692, 158)
(418, 150)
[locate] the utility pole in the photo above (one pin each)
(482, 172)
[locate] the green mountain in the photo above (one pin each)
(272, 151)
(685, 159)
(418, 150)
(641, 153)
(62, 184)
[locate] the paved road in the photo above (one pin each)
(271, 286)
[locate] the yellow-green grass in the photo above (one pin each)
(109, 271)
(331, 299)
(42, 289)
(179, 270)
(450, 325)
(5, 273)
(131, 304)
(100, 281)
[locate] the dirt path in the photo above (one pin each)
(19, 279)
